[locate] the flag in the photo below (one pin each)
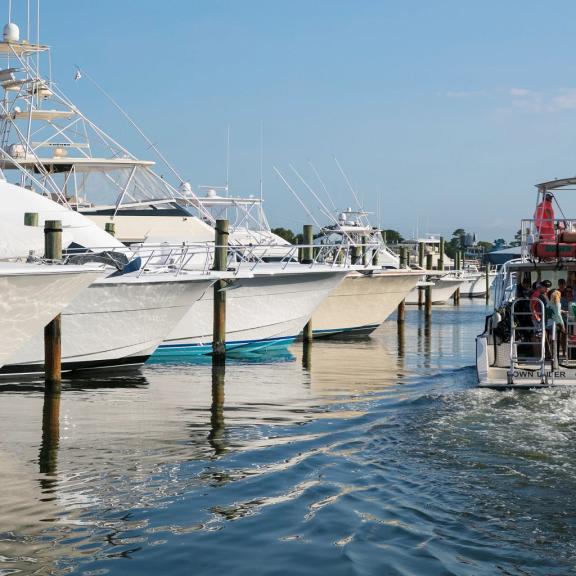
(77, 76)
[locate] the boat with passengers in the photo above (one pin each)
(529, 341)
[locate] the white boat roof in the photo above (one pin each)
(557, 183)
(80, 164)
(224, 201)
(21, 47)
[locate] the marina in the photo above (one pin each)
(229, 359)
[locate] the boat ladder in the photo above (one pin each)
(528, 341)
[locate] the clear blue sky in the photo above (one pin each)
(450, 110)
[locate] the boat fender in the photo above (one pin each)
(496, 318)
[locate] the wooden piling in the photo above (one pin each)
(401, 312)
(220, 265)
(402, 258)
(30, 219)
(456, 296)
(441, 255)
(421, 254)
(52, 331)
(110, 227)
(307, 258)
(308, 240)
(421, 264)
(428, 298)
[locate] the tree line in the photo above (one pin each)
(460, 240)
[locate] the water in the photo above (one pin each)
(374, 456)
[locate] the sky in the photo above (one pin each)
(444, 114)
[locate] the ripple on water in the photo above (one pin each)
(373, 456)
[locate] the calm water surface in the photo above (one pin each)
(375, 456)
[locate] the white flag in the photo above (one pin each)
(77, 76)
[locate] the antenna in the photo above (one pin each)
(134, 125)
(348, 182)
(227, 186)
(261, 211)
(323, 185)
(9, 10)
(324, 210)
(297, 197)
(261, 161)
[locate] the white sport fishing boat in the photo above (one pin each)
(524, 344)
(474, 285)
(372, 292)
(98, 323)
(268, 310)
(59, 151)
(444, 282)
(121, 319)
(31, 295)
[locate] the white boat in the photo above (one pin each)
(98, 325)
(31, 295)
(474, 285)
(77, 163)
(443, 288)
(363, 301)
(521, 345)
(117, 321)
(371, 293)
(266, 311)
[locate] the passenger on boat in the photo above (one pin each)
(522, 310)
(555, 307)
(544, 219)
(567, 299)
(539, 295)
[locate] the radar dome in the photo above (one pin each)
(211, 193)
(186, 188)
(11, 33)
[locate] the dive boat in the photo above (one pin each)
(524, 344)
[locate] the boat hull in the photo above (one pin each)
(115, 323)
(266, 311)
(31, 296)
(474, 286)
(362, 302)
(443, 289)
(495, 374)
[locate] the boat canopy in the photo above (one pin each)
(555, 184)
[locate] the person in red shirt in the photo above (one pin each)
(544, 219)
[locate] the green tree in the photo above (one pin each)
(392, 236)
(517, 239)
(487, 246)
(456, 242)
(285, 233)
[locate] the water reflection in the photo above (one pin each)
(48, 456)
(186, 459)
(217, 427)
